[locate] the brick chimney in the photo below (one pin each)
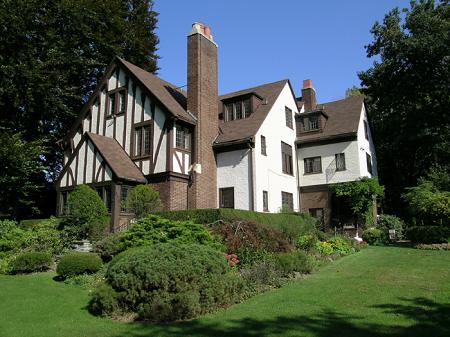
(202, 98)
(309, 96)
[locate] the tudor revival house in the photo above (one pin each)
(255, 149)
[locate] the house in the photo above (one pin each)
(255, 149)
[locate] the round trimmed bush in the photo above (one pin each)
(168, 281)
(77, 263)
(31, 262)
(372, 236)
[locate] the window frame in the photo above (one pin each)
(366, 129)
(336, 156)
(307, 171)
(265, 201)
(123, 198)
(186, 136)
(115, 108)
(263, 146)
(313, 213)
(140, 129)
(231, 110)
(288, 117)
(369, 163)
(290, 199)
(102, 192)
(287, 165)
(222, 190)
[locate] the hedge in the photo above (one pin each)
(77, 263)
(30, 262)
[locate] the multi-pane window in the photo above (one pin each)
(118, 96)
(287, 200)
(263, 146)
(340, 161)
(288, 113)
(313, 165)
(182, 137)
(310, 123)
(226, 197)
(265, 201)
(313, 123)
(123, 198)
(142, 141)
(366, 130)
(286, 158)
(122, 101)
(111, 104)
(237, 110)
(369, 163)
(317, 213)
(104, 193)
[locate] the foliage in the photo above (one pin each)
(362, 195)
(428, 234)
(142, 200)
(306, 242)
(109, 246)
(353, 92)
(87, 281)
(30, 262)
(291, 262)
(372, 236)
(324, 248)
(77, 263)
(88, 215)
(428, 205)
(336, 245)
(21, 162)
(290, 224)
(104, 300)
(433, 246)
(169, 281)
(407, 92)
(387, 222)
(57, 52)
(261, 274)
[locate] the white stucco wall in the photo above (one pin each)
(233, 171)
(366, 146)
(269, 175)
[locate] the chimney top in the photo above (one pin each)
(307, 84)
(200, 28)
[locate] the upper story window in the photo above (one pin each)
(117, 102)
(366, 130)
(122, 101)
(369, 163)
(288, 114)
(286, 158)
(263, 146)
(340, 161)
(313, 165)
(310, 123)
(237, 110)
(182, 138)
(111, 104)
(314, 123)
(142, 140)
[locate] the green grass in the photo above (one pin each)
(381, 291)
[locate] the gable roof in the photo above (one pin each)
(116, 158)
(343, 120)
(245, 129)
(168, 94)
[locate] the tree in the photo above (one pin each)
(20, 163)
(408, 93)
(143, 200)
(52, 54)
(353, 91)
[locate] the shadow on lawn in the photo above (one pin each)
(430, 319)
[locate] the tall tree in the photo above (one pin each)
(52, 53)
(408, 91)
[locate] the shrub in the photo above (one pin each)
(143, 200)
(324, 248)
(372, 236)
(248, 256)
(31, 262)
(434, 246)
(428, 234)
(306, 242)
(387, 222)
(242, 236)
(262, 274)
(103, 300)
(341, 245)
(108, 247)
(76, 263)
(169, 281)
(12, 237)
(289, 263)
(88, 215)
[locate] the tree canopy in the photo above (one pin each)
(52, 54)
(408, 92)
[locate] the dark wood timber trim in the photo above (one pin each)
(103, 169)
(144, 123)
(99, 111)
(125, 117)
(94, 178)
(179, 161)
(85, 160)
(169, 142)
(90, 119)
(302, 143)
(99, 171)
(72, 177)
(105, 112)
(133, 107)
(158, 146)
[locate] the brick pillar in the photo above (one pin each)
(202, 101)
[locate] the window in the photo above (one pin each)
(122, 101)
(111, 104)
(104, 193)
(313, 123)
(313, 165)
(287, 200)
(123, 198)
(237, 110)
(317, 213)
(263, 146)
(340, 161)
(265, 201)
(366, 130)
(226, 196)
(142, 141)
(183, 137)
(286, 158)
(369, 163)
(288, 113)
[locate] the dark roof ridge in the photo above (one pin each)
(248, 90)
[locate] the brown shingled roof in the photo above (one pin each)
(116, 158)
(168, 94)
(245, 129)
(343, 119)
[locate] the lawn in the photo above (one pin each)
(381, 291)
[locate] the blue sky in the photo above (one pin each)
(262, 41)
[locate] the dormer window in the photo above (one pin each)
(313, 123)
(237, 110)
(310, 122)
